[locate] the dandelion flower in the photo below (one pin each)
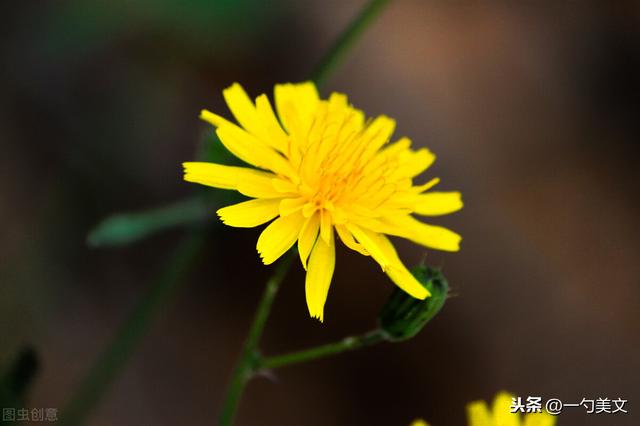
(479, 414)
(319, 168)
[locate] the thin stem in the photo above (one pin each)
(344, 345)
(346, 40)
(245, 365)
(116, 354)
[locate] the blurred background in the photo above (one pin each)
(532, 108)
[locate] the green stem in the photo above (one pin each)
(346, 40)
(344, 345)
(116, 355)
(247, 361)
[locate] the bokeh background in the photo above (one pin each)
(532, 107)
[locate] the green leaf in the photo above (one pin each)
(126, 228)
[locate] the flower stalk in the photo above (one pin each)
(347, 344)
(249, 361)
(245, 366)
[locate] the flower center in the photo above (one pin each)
(340, 164)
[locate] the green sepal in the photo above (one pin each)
(403, 316)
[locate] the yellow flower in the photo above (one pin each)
(479, 414)
(321, 166)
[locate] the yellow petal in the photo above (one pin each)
(243, 109)
(379, 195)
(478, 414)
(425, 186)
(307, 238)
(386, 154)
(258, 119)
(378, 132)
(259, 186)
(319, 273)
(249, 213)
(291, 205)
(419, 422)
(371, 242)
(396, 147)
(284, 185)
(339, 216)
(299, 100)
(404, 279)
(349, 241)
(309, 209)
(275, 136)
(438, 203)
(210, 174)
(539, 419)
(279, 236)
(383, 252)
(431, 236)
(337, 101)
(250, 182)
(325, 225)
(253, 151)
(214, 119)
(502, 415)
(398, 273)
(412, 163)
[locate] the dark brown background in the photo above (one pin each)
(532, 108)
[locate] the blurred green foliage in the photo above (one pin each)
(77, 26)
(15, 381)
(126, 228)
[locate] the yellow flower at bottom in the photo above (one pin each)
(318, 167)
(478, 414)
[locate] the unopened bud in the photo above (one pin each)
(403, 316)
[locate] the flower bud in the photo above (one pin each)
(403, 316)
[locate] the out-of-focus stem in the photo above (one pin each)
(346, 40)
(107, 367)
(247, 361)
(247, 364)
